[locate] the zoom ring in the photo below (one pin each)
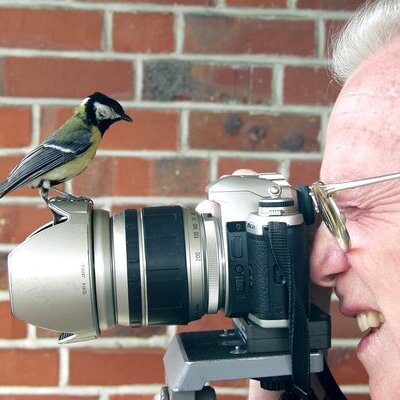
(212, 264)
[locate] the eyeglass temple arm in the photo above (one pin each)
(334, 187)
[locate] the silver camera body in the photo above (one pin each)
(86, 272)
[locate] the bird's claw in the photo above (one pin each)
(65, 196)
(69, 198)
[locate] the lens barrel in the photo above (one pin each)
(167, 266)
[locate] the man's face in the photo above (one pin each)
(364, 141)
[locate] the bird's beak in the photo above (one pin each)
(126, 117)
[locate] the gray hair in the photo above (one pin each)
(373, 25)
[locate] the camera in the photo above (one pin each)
(86, 272)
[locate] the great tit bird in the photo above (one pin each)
(68, 151)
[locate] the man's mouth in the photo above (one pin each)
(369, 320)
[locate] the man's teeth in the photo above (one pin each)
(369, 319)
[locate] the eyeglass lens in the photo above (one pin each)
(325, 205)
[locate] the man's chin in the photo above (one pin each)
(381, 359)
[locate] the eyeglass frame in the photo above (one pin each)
(326, 207)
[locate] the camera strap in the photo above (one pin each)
(298, 322)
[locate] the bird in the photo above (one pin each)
(68, 150)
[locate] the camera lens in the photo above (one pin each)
(156, 265)
(168, 265)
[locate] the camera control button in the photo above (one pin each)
(236, 247)
(239, 269)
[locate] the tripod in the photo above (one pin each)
(248, 351)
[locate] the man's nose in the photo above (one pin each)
(328, 260)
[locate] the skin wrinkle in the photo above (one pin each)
(363, 140)
(383, 197)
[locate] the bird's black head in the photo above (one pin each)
(103, 111)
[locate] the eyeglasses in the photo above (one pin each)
(325, 205)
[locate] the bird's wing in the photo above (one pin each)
(49, 155)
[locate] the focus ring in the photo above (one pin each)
(212, 264)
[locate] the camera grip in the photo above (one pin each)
(269, 298)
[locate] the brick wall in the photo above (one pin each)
(213, 85)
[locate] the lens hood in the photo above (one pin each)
(51, 274)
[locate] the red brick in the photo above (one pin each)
(346, 367)
(150, 130)
(166, 2)
(226, 166)
(143, 32)
(260, 85)
(169, 80)
(17, 222)
(232, 35)
(143, 177)
(50, 29)
(22, 367)
(15, 126)
(116, 366)
(303, 85)
(261, 132)
(46, 397)
(64, 77)
(10, 327)
(257, 3)
(303, 172)
(51, 118)
(3, 271)
(330, 4)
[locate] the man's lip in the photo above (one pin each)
(368, 319)
(349, 307)
(352, 311)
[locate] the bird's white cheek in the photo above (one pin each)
(103, 112)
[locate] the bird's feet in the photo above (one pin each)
(44, 193)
